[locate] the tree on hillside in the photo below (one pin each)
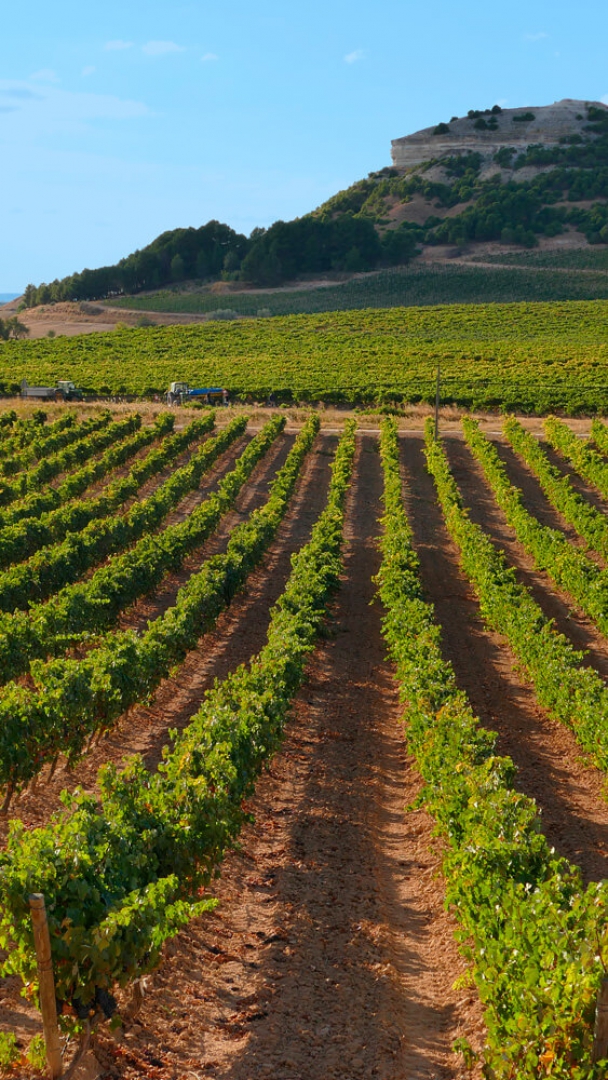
(12, 328)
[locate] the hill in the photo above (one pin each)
(507, 178)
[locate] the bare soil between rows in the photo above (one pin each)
(551, 766)
(330, 954)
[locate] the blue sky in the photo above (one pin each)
(121, 120)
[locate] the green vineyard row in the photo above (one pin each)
(54, 566)
(90, 607)
(28, 534)
(587, 462)
(33, 440)
(568, 566)
(37, 450)
(97, 434)
(530, 930)
(573, 694)
(589, 523)
(39, 503)
(599, 432)
(160, 836)
(537, 357)
(73, 700)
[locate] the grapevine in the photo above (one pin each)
(159, 837)
(515, 900)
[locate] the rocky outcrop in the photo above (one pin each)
(550, 124)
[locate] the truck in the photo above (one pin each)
(179, 393)
(63, 391)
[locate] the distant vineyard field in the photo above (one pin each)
(522, 277)
(587, 258)
(533, 357)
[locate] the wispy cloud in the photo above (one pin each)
(604, 99)
(208, 57)
(45, 75)
(21, 92)
(52, 110)
(352, 57)
(117, 46)
(87, 70)
(536, 37)
(161, 48)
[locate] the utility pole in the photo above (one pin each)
(437, 401)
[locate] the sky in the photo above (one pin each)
(120, 120)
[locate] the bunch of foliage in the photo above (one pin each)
(30, 433)
(7, 419)
(599, 434)
(12, 328)
(535, 939)
(23, 532)
(56, 506)
(173, 256)
(49, 441)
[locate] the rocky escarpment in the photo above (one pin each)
(487, 133)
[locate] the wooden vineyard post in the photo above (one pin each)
(48, 1006)
(437, 388)
(600, 1031)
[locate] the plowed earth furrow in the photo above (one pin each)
(568, 792)
(331, 954)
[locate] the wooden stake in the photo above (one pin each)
(600, 1031)
(437, 391)
(48, 1006)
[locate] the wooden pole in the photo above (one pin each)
(48, 1006)
(437, 404)
(600, 1032)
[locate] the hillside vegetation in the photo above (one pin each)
(525, 193)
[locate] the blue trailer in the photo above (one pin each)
(179, 393)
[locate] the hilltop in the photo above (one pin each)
(475, 189)
(511, 177)
(491, 130)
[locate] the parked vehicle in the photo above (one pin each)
(64, 391)
(180, 392)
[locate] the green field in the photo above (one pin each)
(587, 258)
(520, 279)
(534, 357)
